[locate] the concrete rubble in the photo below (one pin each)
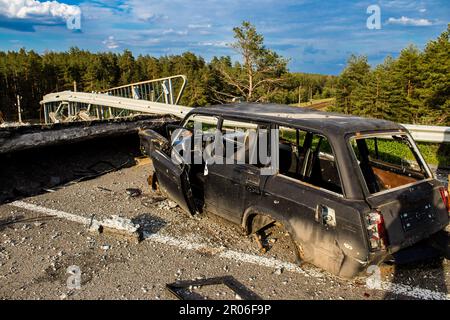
(117, 225)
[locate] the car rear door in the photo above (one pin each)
(411, 214)
(400, 187)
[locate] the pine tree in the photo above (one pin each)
(261, 70)
(435, 76)
(353, 76)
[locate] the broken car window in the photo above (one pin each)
(388, 161)
(246, 142)
(291, 150)
(198, 127)
(320, 166)
(206, 124)
(308, 157)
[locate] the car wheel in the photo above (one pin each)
(275, 241)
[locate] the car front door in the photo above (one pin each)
(173, 179)
(235, 182)
(176, 167)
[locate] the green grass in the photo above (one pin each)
(435, 154)
(326, 102)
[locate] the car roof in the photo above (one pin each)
(328, 123)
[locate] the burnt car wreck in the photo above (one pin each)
(328, 179)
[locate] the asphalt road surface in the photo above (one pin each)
(38, 253)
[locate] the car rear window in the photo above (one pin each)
(388, 161)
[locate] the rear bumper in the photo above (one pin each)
(417, 237)
(438, 245)
(421, 247)
(419, 252)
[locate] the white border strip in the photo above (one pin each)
(396, 288)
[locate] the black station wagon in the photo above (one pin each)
(350, 191)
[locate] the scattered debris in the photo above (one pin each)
(258, 239)
(12, 124)
(133, 192)
(142, 161)
(36, 220)
(148, 201)
(118, 226)
(104, 189)
(278, 271)
(167, 205)
(172, 204)
(241, 292)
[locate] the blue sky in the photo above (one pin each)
(317, 36)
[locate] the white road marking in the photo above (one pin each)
(396, 288)
(51, 212)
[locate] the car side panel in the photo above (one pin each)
(295, 204)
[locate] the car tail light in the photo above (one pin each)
(376, 231)
(445, 198)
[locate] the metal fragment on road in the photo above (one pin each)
(133, 192)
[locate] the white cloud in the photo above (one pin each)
(410, 21)
(148, 11)
(26, 9)
(423, 10)
(219, 44)
(172, 31)
(199, 26)
(111, 43)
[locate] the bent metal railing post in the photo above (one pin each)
(56, 109)
(157, 90)
(102, 101)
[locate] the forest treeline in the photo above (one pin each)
(32, 75)
(413, 88)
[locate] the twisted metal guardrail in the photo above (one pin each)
(145, 97)
(141, 97)
(436, 134)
